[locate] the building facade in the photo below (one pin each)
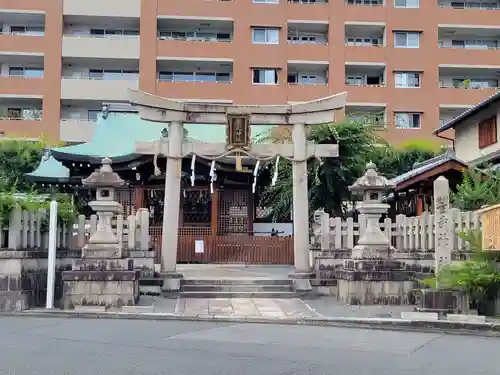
(406, 64)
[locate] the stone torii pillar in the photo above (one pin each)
(238, 118)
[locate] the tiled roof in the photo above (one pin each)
(469, 112)
(425, 166)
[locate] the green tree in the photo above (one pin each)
(478, 188)
(393, 161)
(330, 178)
(18, 157)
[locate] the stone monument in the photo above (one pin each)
(371, 277)
(102, 277)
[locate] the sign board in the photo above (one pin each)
(199, 247)
(238, 130)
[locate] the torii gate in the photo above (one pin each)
(238, 118)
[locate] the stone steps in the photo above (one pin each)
(224, 288)
(237, 288)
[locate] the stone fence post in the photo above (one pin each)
(15, 223)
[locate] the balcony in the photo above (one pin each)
(469, 45)
(477, 12)
(468, 85)
(307, 40)
(98, 79)
(203, 80)
(375, 115)
(202, 8)
(308, 10)
(195, 38)
(21, 76)
(22, 32)
(99, 8)
(449, 112)
(366, 83)
(365, 10)
(307, 81)
(364, 42)
(114, 38)
(21, 118)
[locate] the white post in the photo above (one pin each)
(300, 201)
(51, 271)
(172, 199)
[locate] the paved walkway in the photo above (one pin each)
(245, 307)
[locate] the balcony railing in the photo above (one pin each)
(308, 83)
(471, 6)
(308, 2)
(362, 3)
(473, 47)
(321, 43)
(25, 114)
(354, 44)
(78, 119)
(365, 85)
(92, 36)
(190, 81)
(470, 86)
(104, 78)
(187, 39)
(20, 76)
(26, 33)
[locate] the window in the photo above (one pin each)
(265, 76)
(364, 2)
(364, 42)
(407, 39)
(25, 72)
(108, 74)
(111, 32)
(27, 30)
(195, 35)
(265, 36)
(94, 115)
(474, 44)
(407, 120)
(474, 83)
(194, 77)
(407, 3)
(407, 79)
(487, 132)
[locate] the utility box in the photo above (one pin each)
(490, 218)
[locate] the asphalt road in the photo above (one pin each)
(125, 347)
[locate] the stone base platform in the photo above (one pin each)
(108, 283)
(374, 282)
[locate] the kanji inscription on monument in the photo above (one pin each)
(443, 243)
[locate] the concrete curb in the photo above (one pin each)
(440, 326)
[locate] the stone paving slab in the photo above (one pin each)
(232, 307)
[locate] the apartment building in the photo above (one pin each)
(406, 64)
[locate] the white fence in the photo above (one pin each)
(406, 233)
(28, 230)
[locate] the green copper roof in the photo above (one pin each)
(114, 137)
(50, 167)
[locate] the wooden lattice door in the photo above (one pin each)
(233, 211)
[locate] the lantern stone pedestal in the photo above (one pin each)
(102, 277)
(371, 277)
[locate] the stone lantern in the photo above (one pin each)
(103, 244)
(373, 244)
